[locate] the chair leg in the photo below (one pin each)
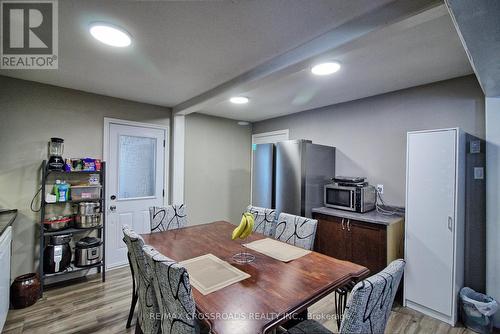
(340, 304)
(138, 329)
(134, 295)
(132, 308)
(341, 301)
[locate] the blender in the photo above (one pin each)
(56, 147)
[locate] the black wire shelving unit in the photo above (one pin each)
(75, 232)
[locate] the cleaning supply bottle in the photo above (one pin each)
(56, 189)
(63, 192)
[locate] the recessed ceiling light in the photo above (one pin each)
(325, 68)
(243, 123)
(239, 100)
(110, 35)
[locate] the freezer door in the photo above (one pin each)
(263, 175)
(290, 177)
(319, 170)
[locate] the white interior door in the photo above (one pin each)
(135, 181)
(430, 219)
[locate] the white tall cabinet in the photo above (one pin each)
(434, 232)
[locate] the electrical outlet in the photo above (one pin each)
(380, 188)
(478, 173)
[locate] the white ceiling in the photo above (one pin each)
(416, 51)
(182, 48)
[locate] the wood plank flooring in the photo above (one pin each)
(95, 307)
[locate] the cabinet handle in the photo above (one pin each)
(343, 228)
(349, 225)
(450, 223)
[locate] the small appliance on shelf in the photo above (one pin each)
(351, 193)
(57, 254)
(88, 251)
(56, 148)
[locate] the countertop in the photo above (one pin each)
(6, 219)
(373, 216)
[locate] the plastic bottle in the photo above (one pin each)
(56, 189)
(63, 192)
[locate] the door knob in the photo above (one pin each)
(112, 207)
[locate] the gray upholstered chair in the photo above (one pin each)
(144, 292)
(167, 218)
(368, 307)
(264, 219)
(296, 230)
(173, 292)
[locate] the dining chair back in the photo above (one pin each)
(296, 230)
(148, 305)
(173, 292)
(370, 303)
(368, 307)
(166, 218)
(264, 219)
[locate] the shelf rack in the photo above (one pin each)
(75, 201)
(44, 235)
(73, 269)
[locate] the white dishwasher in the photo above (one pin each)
(5, 252)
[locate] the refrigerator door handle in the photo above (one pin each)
(450, 223)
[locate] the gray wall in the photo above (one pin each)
(217, 169)
(370, 134)
(31, 113)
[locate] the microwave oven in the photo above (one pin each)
(356, 198)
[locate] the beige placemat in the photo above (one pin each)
(277, 249)
(208, 273)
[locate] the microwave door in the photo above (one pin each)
(340, 198)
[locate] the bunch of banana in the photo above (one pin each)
(245, 228)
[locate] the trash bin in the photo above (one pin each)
(477, 310)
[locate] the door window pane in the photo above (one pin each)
(136, 168)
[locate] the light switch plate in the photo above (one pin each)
(478, 173)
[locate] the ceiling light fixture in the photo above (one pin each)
(239, 100)
(325, 68)
(243, 123)
(110, 35)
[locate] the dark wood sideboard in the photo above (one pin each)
(370, 239)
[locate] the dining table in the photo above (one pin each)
(275, 290)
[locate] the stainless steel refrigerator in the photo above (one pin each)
(290, 175)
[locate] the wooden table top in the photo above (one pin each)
(274, 290)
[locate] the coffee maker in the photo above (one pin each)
(56, 148)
